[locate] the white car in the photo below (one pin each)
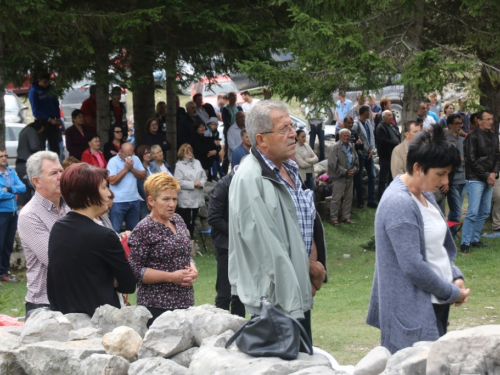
(11, 138)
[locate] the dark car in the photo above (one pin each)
(15, 111)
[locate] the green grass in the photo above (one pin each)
(339, 312)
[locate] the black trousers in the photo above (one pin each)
(32, 306)
(384, 176)
(224, 299)
(189, 216)
(156, 312)
(442, 312)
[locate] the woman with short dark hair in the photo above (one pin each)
(415, 278)
(77, 135)
(114, 144)
(93, 155)
(87, 263)
(154, 136)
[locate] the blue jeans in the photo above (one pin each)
(479, 194)
(456, 196)
(358, 179)
(144, 211)
(8, 227)
(125, 211)
(309, 182)
(317, 129)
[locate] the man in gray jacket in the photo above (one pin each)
(272, 231)
(364, 127)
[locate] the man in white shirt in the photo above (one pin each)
(234, 133)
(422, 113)
(249, 101)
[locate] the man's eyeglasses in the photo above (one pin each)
(285, 131)
(4, 156)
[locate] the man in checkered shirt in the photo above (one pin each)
(36, 220)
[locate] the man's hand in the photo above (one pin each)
(370, 154)
(198, 184)
(445, 188)
(491, 179)
(129, 164)
(359, 141)
(211, 153)
(350, 173)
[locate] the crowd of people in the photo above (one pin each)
(113, 221)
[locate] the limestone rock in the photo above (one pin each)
(410, 360)
(207, 322)
(169, 334)
(184, 358)
(123, 341)
(9, 363)
(214, 360)
(344, 370)
(374, 362)
(218, 341)
(104, 364)
(471, 351)
(108, 317)
(157, 366)
(79, 320)
(315, 370)
(10, 337)
(85, 334)
(57, 358)
(44, 325)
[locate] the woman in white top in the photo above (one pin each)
(191, 177)
(305, 158)
(415, 278)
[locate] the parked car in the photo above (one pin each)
(11, 138)
(73, 97)
(221, 84)
(15, 111)
(23, 89)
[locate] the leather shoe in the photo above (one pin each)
(372, 205)
(478, 244)
(335, 223)
(348, 221)
(465, 249)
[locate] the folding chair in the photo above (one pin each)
(456, 225)
(203, 233)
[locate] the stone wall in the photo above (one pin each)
(191, 342)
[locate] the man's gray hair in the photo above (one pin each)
(386, 112)
(259, 120)
(344, 130)
(155, 148)
(190, 103)
(34, 163)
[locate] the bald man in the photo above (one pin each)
(124, 170)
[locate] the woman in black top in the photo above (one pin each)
(112, 148)
(87, 264)
(205, 148)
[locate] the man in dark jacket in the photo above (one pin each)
(482, 163)
(387, 137)
(204, 111)
(186, 125)
(218, 211)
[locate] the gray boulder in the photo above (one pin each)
(169, 334)
(315, 370)
(471, 351)
(9, 363)
(57, 358)
(85, 334)
(410, 360)
(157, 366)
(123, 341)
(215, 360)
(208, 321)
(10, 337)
(45, 325)
(104, 364)
(184, 358)
(79, 320)
(108, 317)
(374, 362)
(219, 341)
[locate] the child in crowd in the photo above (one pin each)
(213, 133)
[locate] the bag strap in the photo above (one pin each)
(236, 334)
(304, 337)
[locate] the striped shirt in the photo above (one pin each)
(303, 199)
(35, 223)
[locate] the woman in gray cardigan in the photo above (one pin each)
(415, 279)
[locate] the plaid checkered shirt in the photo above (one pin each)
(303, 199)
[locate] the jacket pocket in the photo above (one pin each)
(401, 335)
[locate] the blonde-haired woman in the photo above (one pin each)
(160, 250)
(192, 178)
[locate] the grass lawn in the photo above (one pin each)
(339, 312)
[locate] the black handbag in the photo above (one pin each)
(272, 334)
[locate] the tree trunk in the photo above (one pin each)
(2, 94)
(489, 86)
(142, 65)
(171, 110)
(101, 78)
